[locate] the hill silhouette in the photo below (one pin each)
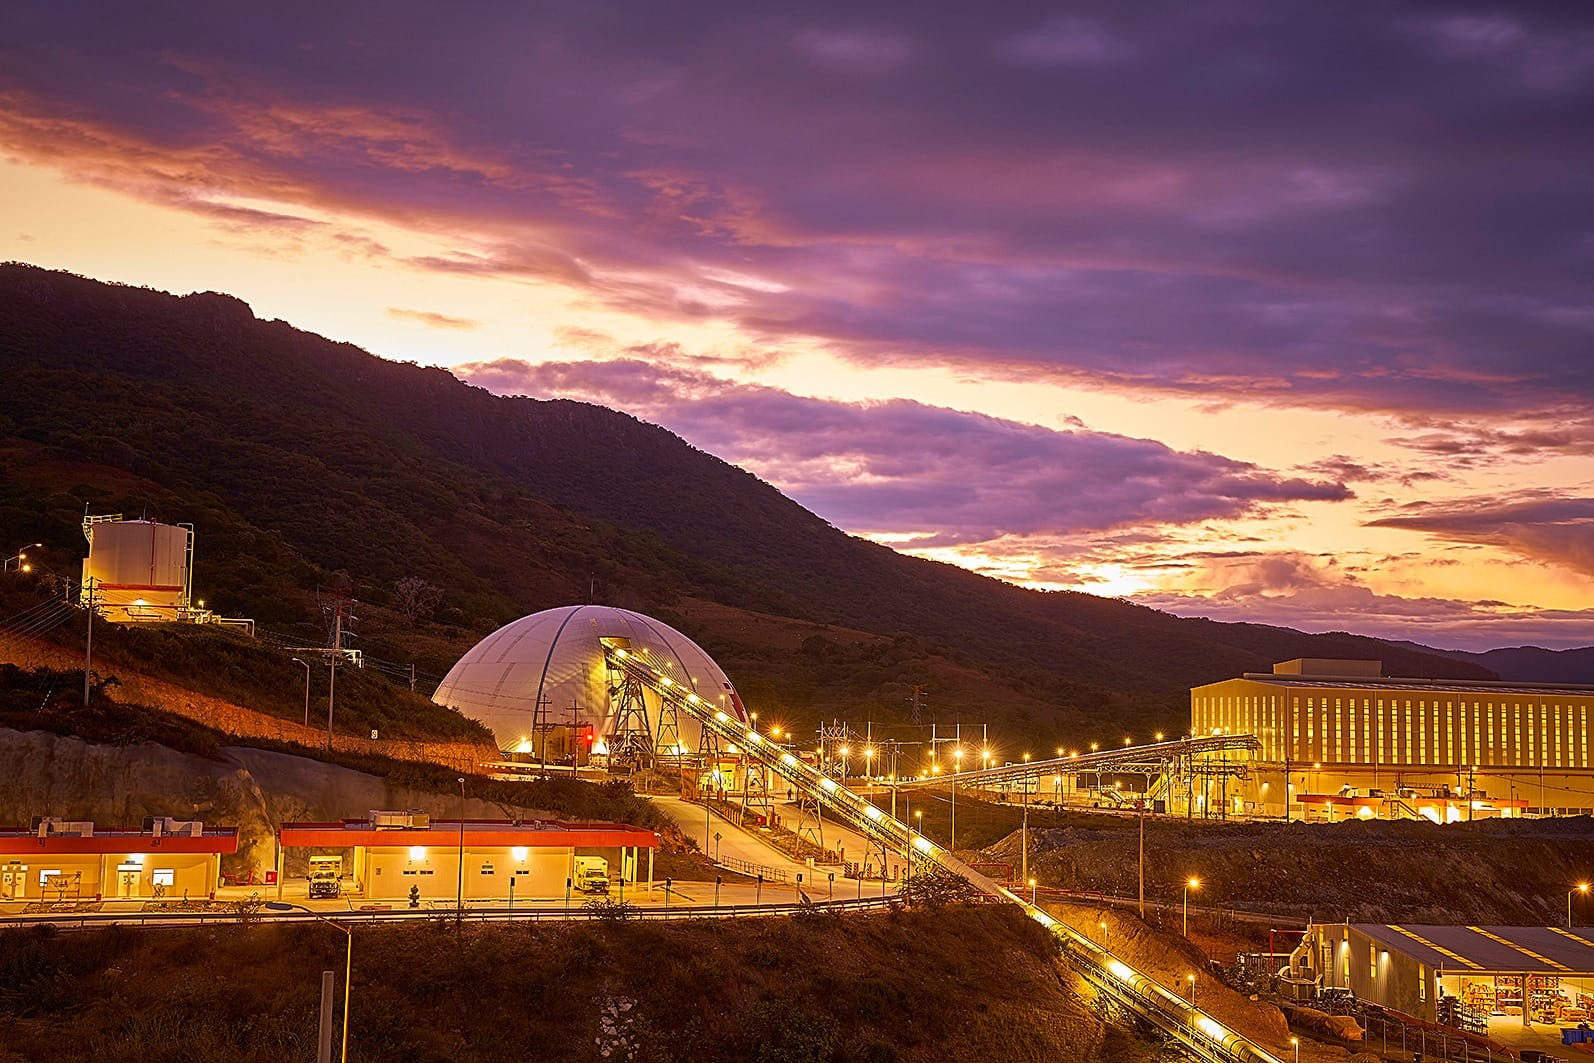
(306, 463)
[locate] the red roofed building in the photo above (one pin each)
(388, 853)
(66, 860)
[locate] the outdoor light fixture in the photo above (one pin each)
(348, 963)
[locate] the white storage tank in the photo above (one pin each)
(138, 569)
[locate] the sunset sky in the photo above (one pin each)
(1252, 309)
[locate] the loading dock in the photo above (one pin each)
(1520, 984)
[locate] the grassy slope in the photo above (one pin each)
(965, 983)
(299, 459)
(1503, 872)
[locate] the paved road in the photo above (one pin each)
(748, 845)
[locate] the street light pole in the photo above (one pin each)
(306, 690)
(1295, 1043)
(1581, 887)
(20, 557)
(348, 962)
(1190, 884)
(459, 901)
(1023, 836)
(957, 769)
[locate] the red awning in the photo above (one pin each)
(18, 842)
(478, 833)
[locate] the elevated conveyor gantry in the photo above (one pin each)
(1196, 1032)
(856, 811)
(1154, 759)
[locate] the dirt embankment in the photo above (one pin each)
(964, 983)
(1499, 872)
(245, 722)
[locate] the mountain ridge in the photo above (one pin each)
(305, 461)
(1526, 664)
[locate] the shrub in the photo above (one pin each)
(936, 888)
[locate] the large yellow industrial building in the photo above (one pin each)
(1339, 738)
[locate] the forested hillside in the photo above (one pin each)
(306, 464)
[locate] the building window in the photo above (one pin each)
(1558, 740)
(1422, 732)
(1339, 730)
(1377, 748)
(1372, 961)
(163, 876)
(1422, 982)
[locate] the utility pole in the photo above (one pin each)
(1142, 857)
(340, 606)
(88, 645)
(332, 678)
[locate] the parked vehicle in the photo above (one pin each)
(592, 874)
(326, 876)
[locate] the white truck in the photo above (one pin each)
(326, 876)
(592, 874)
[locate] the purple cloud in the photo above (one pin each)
(1336, 206)
(432, 319)
(951, 478)
(1315, 594)
(1540, 525)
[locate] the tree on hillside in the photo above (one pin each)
(416, 598)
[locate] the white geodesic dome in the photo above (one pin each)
(556, 657)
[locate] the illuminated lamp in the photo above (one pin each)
(519, 853)
(417, 852)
